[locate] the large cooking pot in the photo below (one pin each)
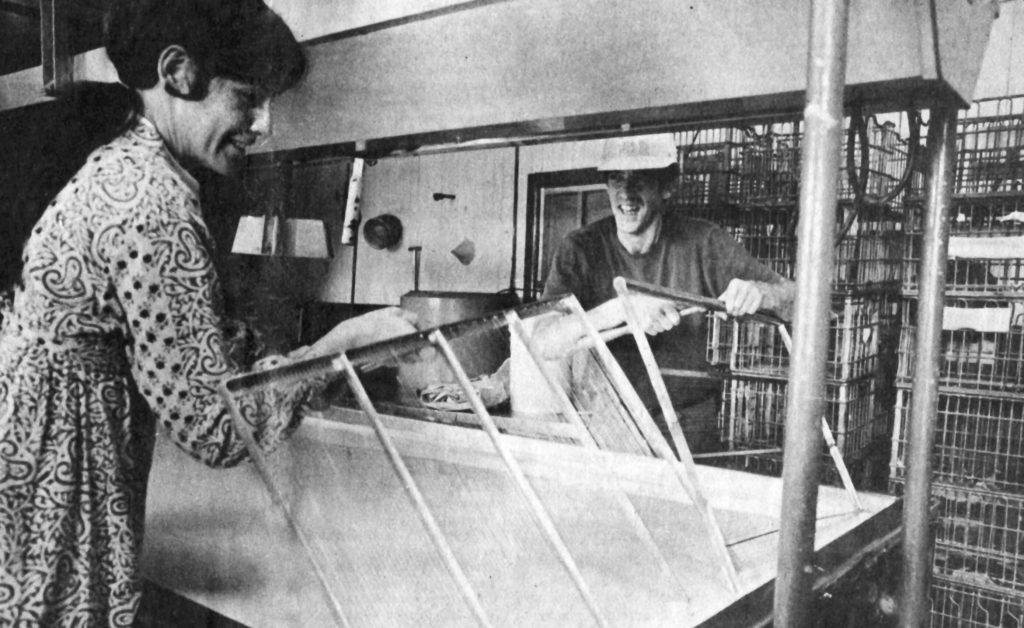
(480, 353)
(439, 307)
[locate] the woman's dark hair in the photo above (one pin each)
(237, 39)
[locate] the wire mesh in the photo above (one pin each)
(986, 247)
(982, 344)
(768, 165)
(982, 570)
(979, 441)
(709, 165)
(859, 338)
(990, 145)
(889, 155)
(979, 522)
(758, 163)
(955, 604)
(868, 257)
(753, 414)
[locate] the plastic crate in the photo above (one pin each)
(857, 340)
(982, 344)
(990, 147)
(979, 441)
(956, 604)
(753, 414)
(986, 248)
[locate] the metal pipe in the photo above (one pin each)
(921, 436)
(819, 176)
(441, 544)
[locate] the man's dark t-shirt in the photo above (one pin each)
(690, 255)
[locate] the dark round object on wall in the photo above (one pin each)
(383, 232)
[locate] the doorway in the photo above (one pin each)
(557, 203)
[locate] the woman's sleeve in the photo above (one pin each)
(160, 267)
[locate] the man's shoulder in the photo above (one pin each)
(593, 233)
(690, 228)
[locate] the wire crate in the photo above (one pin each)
(889, 156)
(768, 165)
(753, 414)
(857, 339)
(979, 521)
(980, 570)
(982, 343)
(708, 165)
(979, 441)
(974, 217)
(868, 256)
(986, 247)
(863, 471)
(955, 605)
(990, 147)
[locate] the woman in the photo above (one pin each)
(117, 327)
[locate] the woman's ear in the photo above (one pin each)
(178, 73)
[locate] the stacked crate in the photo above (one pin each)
(978, 458)
(746, 179)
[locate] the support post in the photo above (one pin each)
(823, 117)
(931, 275)
(55, 48)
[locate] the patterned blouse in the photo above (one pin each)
(115, 329)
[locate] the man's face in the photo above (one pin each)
(636, 199)
(232, 117)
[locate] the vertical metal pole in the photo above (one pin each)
(921, 436)
(54, 46)
(823, 127)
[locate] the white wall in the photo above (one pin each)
(482, 182)
(308, 19)
(1002, 70)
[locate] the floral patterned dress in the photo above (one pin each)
(115, 330)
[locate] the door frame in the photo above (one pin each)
(537, 184)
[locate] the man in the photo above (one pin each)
(646, 240)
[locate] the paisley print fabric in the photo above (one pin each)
(115, 330)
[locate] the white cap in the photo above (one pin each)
(639, 152)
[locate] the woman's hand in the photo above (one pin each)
(375, 326)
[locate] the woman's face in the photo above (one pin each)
(216, 131)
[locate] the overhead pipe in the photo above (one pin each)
(917, 534)
(805, 401)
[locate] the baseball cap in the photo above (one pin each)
(638, 152)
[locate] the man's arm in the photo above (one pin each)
(559, 334)
(746, 297)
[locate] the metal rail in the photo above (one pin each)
(917, 536)
(819, 176)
